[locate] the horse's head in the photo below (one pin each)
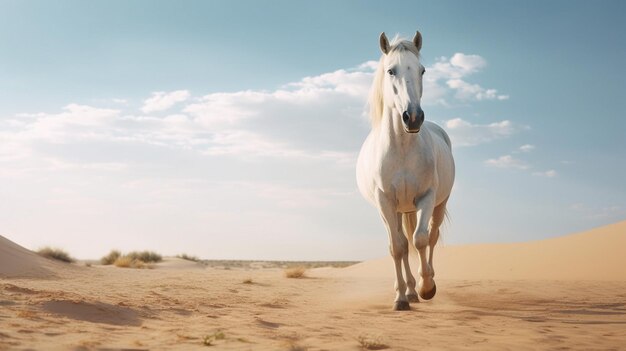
(402, 82)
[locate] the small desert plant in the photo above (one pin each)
(295, 272)
(129, 262)
(111, 257)
(247, 281)
(123, 262)
(145, 256)
(188, 257)
(371, 343)
(55, 254)
(295, 347)
(207, 340)
(139, 264)
(135, 259)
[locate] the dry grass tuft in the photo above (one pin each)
(129, 262)
(140, 264)
(111, 257)
(247, 281)
(371, 343)
(296, 347)
(295, 272)
(55, 254)
(184, 256)
(208, 340)
(135, 259)
(145, 256)
(123, 262)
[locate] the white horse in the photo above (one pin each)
(405, 166)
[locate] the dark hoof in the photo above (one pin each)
(413, 298)
(401, 306)
(427, 295)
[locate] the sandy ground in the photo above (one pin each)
(489, 297)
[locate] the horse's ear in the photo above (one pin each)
(384, 43)
(417, 40)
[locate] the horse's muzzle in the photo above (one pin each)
(413, 121)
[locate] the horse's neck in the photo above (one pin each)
(392, 133)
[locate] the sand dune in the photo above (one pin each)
(16, 261)
(594, 255)
(567, 292)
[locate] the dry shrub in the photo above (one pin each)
(371, 343)
(135, 259)
(129, 262)
(208, 340)
(293, 346)
(295, 272)
(139, 264)
(111, 257)
(247, 281)
(123, 262)
(55, 254)
(145, 256)
(188, 257)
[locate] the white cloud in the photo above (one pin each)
(249, 145)
(507, 161)
(449, 75)
(354, 83)
(467, 91)
(316, 118)
(549, 174)
(160, 100)
(368, 65)
(225, 109)
(78, 115)
(467, 63)
(74, 122)
(458, 66)
(464, 133)
(289, 123)
(526, 148)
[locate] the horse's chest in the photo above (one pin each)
(405, 187)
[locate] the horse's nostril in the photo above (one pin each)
(405, 117)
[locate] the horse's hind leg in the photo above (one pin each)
(409, 222)
(439, 214)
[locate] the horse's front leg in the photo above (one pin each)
(398, 246)
(425, 206)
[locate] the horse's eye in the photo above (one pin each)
(391, 73)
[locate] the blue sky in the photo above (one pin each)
(228, 129)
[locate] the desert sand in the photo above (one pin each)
(562, 293)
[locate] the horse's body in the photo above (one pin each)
(405, 167)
